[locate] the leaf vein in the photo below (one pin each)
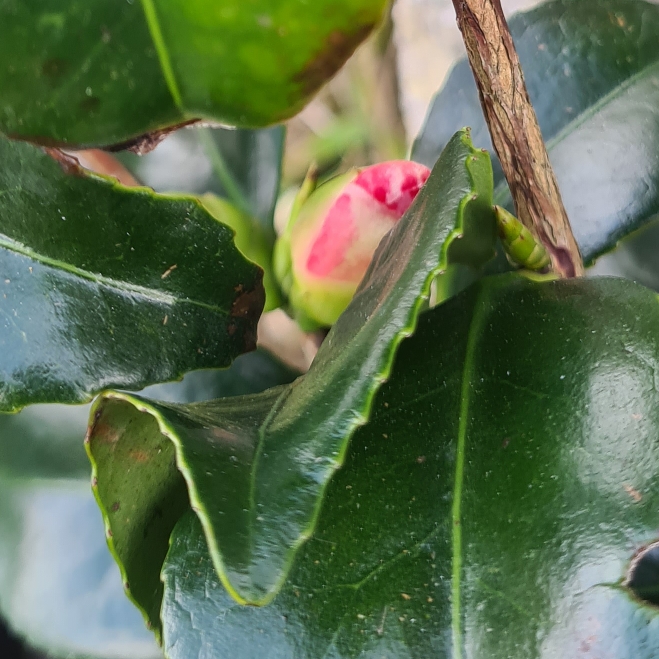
(163, 54)
(150, 294)
(456, 512)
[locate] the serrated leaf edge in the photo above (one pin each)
(381, 376)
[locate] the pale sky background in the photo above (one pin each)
(428, 42)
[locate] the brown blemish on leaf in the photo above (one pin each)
(143, 144)
(90, 428)
(248, 305)
(90, 104)
(54, 68)
(104, 432)
(115, 506)
(139, 456)
(333, 53)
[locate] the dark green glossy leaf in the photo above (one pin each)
(241, 166)
(102, 285)
(256, 468)
(45, 441)
(98, 72)
(489, 509)
(592, 69)
(142, 505)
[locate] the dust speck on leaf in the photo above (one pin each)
(169, 271)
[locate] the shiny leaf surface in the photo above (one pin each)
(256, 468)
(98, 72)
(102, 285)
(241, 167)
(491, 507)
(592, 70)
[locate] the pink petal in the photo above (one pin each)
(394, 184)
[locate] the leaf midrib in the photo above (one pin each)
(456, 511)
(155, 31)
(151, 294)
(501, 192)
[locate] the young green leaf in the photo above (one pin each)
(256, 468)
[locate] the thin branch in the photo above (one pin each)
(515, 132)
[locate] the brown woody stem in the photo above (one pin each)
(515, 132)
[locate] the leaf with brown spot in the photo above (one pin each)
(84, 299)
(137, 87)
(337, 49)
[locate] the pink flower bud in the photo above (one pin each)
(331, 241)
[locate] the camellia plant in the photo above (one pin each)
(468, 469)
(333, 231)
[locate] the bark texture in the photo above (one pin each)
(515, 131)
